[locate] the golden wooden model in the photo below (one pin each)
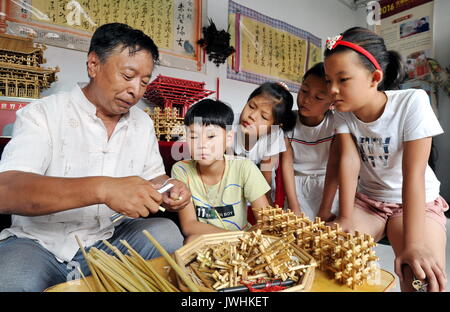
(350, 258)
(230, 259)
(168, 123)
(20, 72)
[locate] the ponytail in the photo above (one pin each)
(394, 74)
(282, 106)
(289, 119)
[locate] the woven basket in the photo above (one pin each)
(188, 252)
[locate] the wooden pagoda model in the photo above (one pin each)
(171, 98)
(20, 72)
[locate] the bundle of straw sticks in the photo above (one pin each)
(128, 273)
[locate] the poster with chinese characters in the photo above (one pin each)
(174, 25)
(407, 27)
(8, 108)
(268, 49)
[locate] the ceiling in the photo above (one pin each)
(355, 4)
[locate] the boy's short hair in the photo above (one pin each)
(317, 70)
(211, 112)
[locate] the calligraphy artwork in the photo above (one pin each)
(174, 25)
(268, 49)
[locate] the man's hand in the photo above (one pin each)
(131, 196)
(177, 197)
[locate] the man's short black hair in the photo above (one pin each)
(107, 37)
(211, 112)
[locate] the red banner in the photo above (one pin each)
(392, 7)
(8, 110)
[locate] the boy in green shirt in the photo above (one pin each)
(221, 185)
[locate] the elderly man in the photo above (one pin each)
(78, 158)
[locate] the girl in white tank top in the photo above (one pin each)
(308, 145)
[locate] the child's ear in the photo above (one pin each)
(377, 78)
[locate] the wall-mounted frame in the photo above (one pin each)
(268, 49)
(174, 25)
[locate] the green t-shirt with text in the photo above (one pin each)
(242, 182)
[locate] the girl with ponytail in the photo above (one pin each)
(384, 137)
(265, 118)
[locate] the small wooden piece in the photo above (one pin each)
(349, 257)
(239, 257)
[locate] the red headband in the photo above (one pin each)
(336, 41)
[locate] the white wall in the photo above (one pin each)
(442, 54)
(322, 18)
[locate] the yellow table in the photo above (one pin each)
(325, 283)
(322, 282)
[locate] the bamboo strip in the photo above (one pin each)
(199, 274)
(172, 263)
(85, 280)
(121, 280)
(163, 283)
(107, 283)
(114, 265)
(127, 264)
(94, 274)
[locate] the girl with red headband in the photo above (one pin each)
(384, 136)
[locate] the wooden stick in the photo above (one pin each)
(94, 274)
(173, 264)
(127, 264)
(164, 284)
(113, 264)
(117, 287)
(200, 275)
(120, 279)
(220, 219)
(84, 279)
(106, 281)
(147, 268)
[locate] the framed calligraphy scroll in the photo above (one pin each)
(174, 25)
(268, 49)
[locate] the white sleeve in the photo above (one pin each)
(340, 123)
(154, 166)
(276, 143)
(30, 148)
(420, 120)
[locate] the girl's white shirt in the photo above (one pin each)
(407, 116)
(265, 146)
